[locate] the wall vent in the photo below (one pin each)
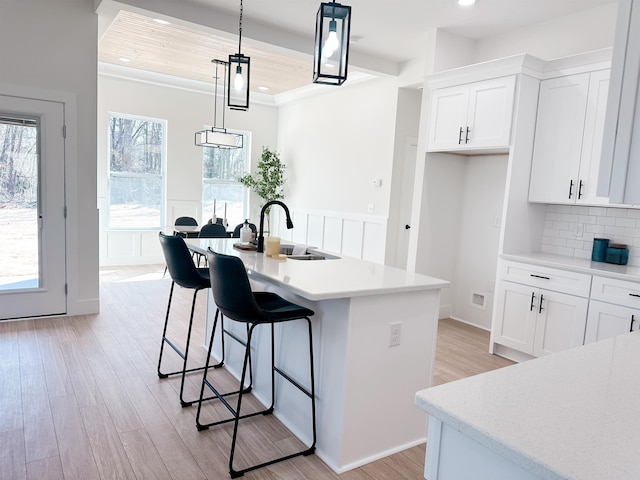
(478, 300)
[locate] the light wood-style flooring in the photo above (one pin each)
(80, 397)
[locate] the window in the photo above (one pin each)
(137, 151)
(221, 168)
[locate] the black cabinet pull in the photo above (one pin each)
(460, 136)
(533, 297)
(570, 188)
(541, 298)
(580, 190)
(633, 319)
(634, 295)
(407, 227)
(466, 138)
(546, 278)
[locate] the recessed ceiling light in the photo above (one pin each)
(124, 59)
(264, 89)
(466, 3)
(161, 21)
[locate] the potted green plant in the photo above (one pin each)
(268, 181)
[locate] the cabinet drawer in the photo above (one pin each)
(620, 292)
(549, 278)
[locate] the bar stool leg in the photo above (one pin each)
(312, 394)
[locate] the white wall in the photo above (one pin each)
(591, 29)
(335, 144)
(51, 47)
(481, 211)
(186, 112)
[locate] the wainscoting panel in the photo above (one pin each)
(353, 235)
(333, 231)
(139, 247)
(353, 232)
(315, 230)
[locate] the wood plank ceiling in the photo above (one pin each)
(183, 52)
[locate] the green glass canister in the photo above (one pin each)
(617, 253)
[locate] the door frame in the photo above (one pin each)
(75, 306)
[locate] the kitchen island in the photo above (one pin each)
(364, 387)
(570, 415)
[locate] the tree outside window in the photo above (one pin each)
(221, 168)
(137, 151)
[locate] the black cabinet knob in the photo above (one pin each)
(407, 227)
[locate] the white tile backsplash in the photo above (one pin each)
(564, 222)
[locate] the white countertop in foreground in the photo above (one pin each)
(324, 279)
(570, 415)
(581, 265)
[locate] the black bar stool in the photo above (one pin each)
(183, 272)
(235, 300)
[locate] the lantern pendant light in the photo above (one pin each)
(238, 80)
(331, 52)
(217, 137)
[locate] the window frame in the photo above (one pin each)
(246, 146)
(162, 175)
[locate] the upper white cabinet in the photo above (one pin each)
(620, 170)
(568, 139)
(473, 116)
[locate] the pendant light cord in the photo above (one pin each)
(240, 29)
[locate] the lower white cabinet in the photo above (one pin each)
(537, 321)
(606, 320)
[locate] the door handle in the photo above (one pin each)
(533, 298)
(541, 298)
(538, 276)
(460, 136)
(407, 227)
(570, 188)
(580, 189)
(633, 319)
(466, 138)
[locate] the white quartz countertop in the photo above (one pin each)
(323, 279)
(581, 265)
(570, 415)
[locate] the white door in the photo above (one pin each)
(592, 139)
(606, 320)
(516, 312)
(448, 118)
(32, 220)
(557, 147)
(406, 200)
(561, 322)
(490, 112)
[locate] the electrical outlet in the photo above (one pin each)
(579, 230)
(394, 334)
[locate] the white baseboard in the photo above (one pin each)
(481, 327)
(367, 460)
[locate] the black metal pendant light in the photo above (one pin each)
(238, 80)
(218, 137)
(331, 53)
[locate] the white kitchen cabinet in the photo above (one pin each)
(606, 320)
(539, 310)
(614, 308)
(620, 170)
(474, 116)
(538, 321)
(568, 139)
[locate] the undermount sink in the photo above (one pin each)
(308, 254)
